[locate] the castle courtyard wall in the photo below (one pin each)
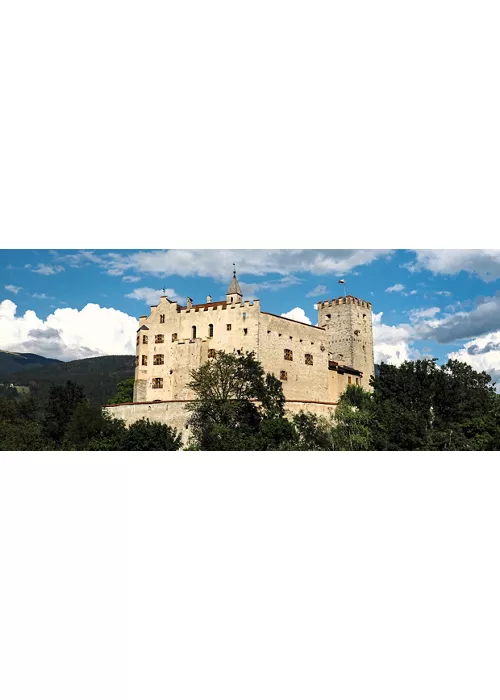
(176, 415)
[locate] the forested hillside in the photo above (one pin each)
(98, 376)
(15, 362)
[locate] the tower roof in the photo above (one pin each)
(234, 287)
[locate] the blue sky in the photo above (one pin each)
(74, 303)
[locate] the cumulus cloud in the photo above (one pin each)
(320, 289)
(416, 314)
(483, 354)
(484, 318)
(48, 269)
(482, 263)
(152, 296)
(391, 343)
(12, 288)
(68, 334)
(395, 288)
(218, 264)
(297, 314)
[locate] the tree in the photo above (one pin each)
(352, 430)
(91, 429)
(225, 414)
(144, 435)
(124, 392)
(59, 409)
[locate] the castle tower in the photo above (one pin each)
(349, 326)
(234, 295)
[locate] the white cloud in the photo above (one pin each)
(297, 314)
(152, 296)
(115, 273)
(12, 288)
(48, 269)
(483, 263)
(483, 354)
(416, 314)
(320, 289)
(484, 318)
(218, 264)
(391, 343)
(444, 293)
(395, 288)
(68, 334)
(41, 295)
(130, 278)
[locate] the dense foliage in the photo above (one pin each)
(69, 421)
(417, 406)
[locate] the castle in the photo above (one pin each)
(314, 363)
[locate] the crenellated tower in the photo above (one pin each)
(349, 326)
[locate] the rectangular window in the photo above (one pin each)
(245, 331)
(211, 353)
(283, 375)
(137, 361)
(309, 359)
(349, 379)
(159, 338)
(288, 355)
(174, 337)
(357, 381)
(228, 327)
(144, 360)
(157, 383)
(138, 340)
(162, 318)
(144, 339)
(158, 360)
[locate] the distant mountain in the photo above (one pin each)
(15, 362)
(97, 375)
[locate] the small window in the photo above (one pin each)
(174, 337)
(211, 353)
(357, 381)
(328, 316)
(159, 359)
(157, 383)
(245, 331)
(137, 361)
(291, 337)
(309, 359)
(231, 300)
(144, 360)
(144, 339)
(193, 332)
(228, 327)
(288, 355)
(268, 332)
(159, 338)
(244, 316)
(162, 318)
(211, 330)
(349, 379)
(138, 340)
(364, 315)
(300, 340)
(283, 376)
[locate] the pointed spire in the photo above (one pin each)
(234, 287)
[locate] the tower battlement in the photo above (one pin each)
(339, 301)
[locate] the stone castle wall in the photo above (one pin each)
(176, 415)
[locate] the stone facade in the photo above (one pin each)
(314, 363)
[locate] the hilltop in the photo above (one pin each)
(15, 362)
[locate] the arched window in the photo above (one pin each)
(231, 300)
(194, 332)
(211, 331)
